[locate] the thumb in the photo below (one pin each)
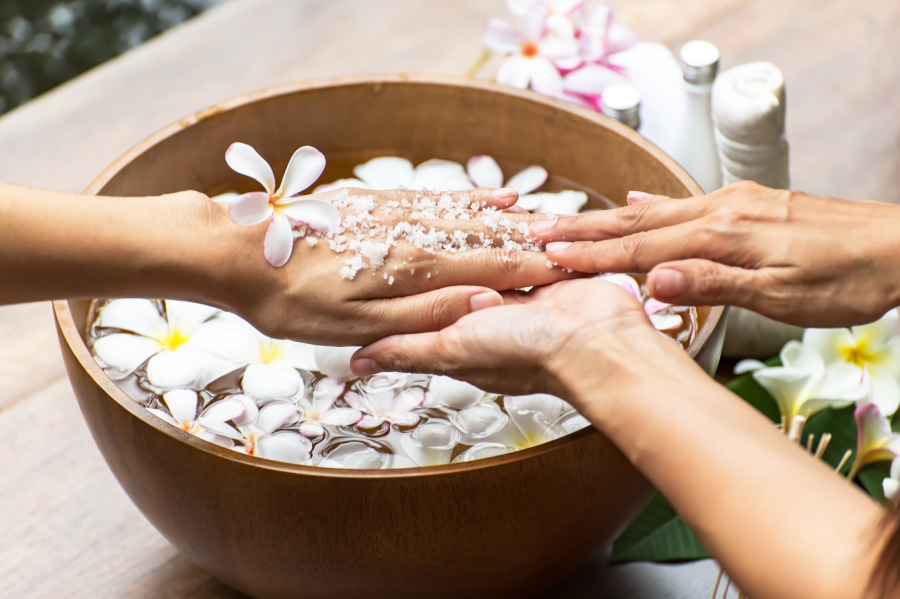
(430, 311)
(401, 353)
(703, 283)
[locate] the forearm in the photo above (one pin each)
(56, 245)
(781, 523)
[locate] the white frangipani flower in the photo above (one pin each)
(431, 444)
(891, 485)
(320, 409)
(209, 424)
(485, 172)
(652, 307)
(280, 207)
(530, 420)
(875, 346)
(334, 362)
(393, 172)
(188, 347)
(803, 386)
(481, 451)
(359, 455)
(262, 437)
(379, 402)
(454, 394)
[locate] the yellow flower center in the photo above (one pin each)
(174, 339)
(858, 354)
(271, 352)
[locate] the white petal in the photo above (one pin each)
(299, 355)
(895, 469)
(320, 216)
(559, 27)
(457, 183)
(527, 180)
(220, 428)
(188, 316)
(803, 357)
(225, 339)
(665, 322)
(829, 343)
(530, 202)
(653, 305)
(279, 241)
(515, 71)
(355, 455)
(534, 23)
(251, 410)
(565, 7)
(250, 209)
(500, 36)
(288, 447)
(558, 45)
(431, 174)
(275, 415)
(591, 80)
(407, 400)
(312, 429)
(214, 438)
(745, 366)
(124, 351)
(335, 361)
(225, 198)
(182, 404)
(534, 415)
(877, 333)
(431, 444)
(520, 7)
(368, 421)
(223, 410)
(789, 386)
(184, 367)
(891, 487)
(137, 315)
(570, 423)
(386, 172)
(326, 392)
(620, 38)
(885, 393)
(401, 461)
(454, 394)
(545, 77)
(484, 172)
(341, 184)
(305, 166)
(247, 161)
(563, 202)
(161, 414)
(271, 381)
(479, 423)
(481, 451)
(341, 417)
(624, 281)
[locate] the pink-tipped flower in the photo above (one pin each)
(320, 409)
(652, 307)
(379, 402)
(280, 207)
(875, 441)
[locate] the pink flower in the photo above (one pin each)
(320, 410)
(875, 441)
(280, 207)
(652, 307)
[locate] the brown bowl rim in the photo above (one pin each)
(81, 352)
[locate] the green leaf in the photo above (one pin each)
(842, 426)
(657, 535)
(746, 387)
(871, 478)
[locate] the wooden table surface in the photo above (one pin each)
(67, 530)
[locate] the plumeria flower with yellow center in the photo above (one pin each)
(379, 401)
(652, 307)
(431, 444)
(208, 424)
(875, 441)
(529, 420)
(532, 54)
(281, 208)
(185, 346)
(320, 410)
(263, 438)
(875, 346)
(485, 172)
(452, 394)
(803, 386)
(393, 172)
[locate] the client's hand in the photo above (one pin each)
(794, 257)
(554, 339)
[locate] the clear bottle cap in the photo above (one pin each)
(699, 62)
(622, 101)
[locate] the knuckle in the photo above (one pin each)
(634, 246)
(441, 312)
(631, 217)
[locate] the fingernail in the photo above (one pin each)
(636, 197)
(505, 193)
(668, 283)
(481, 301)
(543, 225)
(365, 367)
(558, 246)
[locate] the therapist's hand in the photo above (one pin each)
(561, 339)
(795, 257)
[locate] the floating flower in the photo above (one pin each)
(280, 207)
(481, 451)
(803, 386)
(431, 444)
(531, 55)
(652, 307)
(875, 346)
(189, 345)
(453, 394)
(875, 441)
(529, 420)
(485, 172)
(207, 425)
(320, 409)
(379, 403)
(360, 455)
(262, 437)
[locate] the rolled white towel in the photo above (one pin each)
(749, 103)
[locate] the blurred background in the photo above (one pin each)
(46, 42)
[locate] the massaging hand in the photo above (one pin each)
(795, 257)
(183, 246)
(539, 341)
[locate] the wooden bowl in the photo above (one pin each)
(507, 526)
